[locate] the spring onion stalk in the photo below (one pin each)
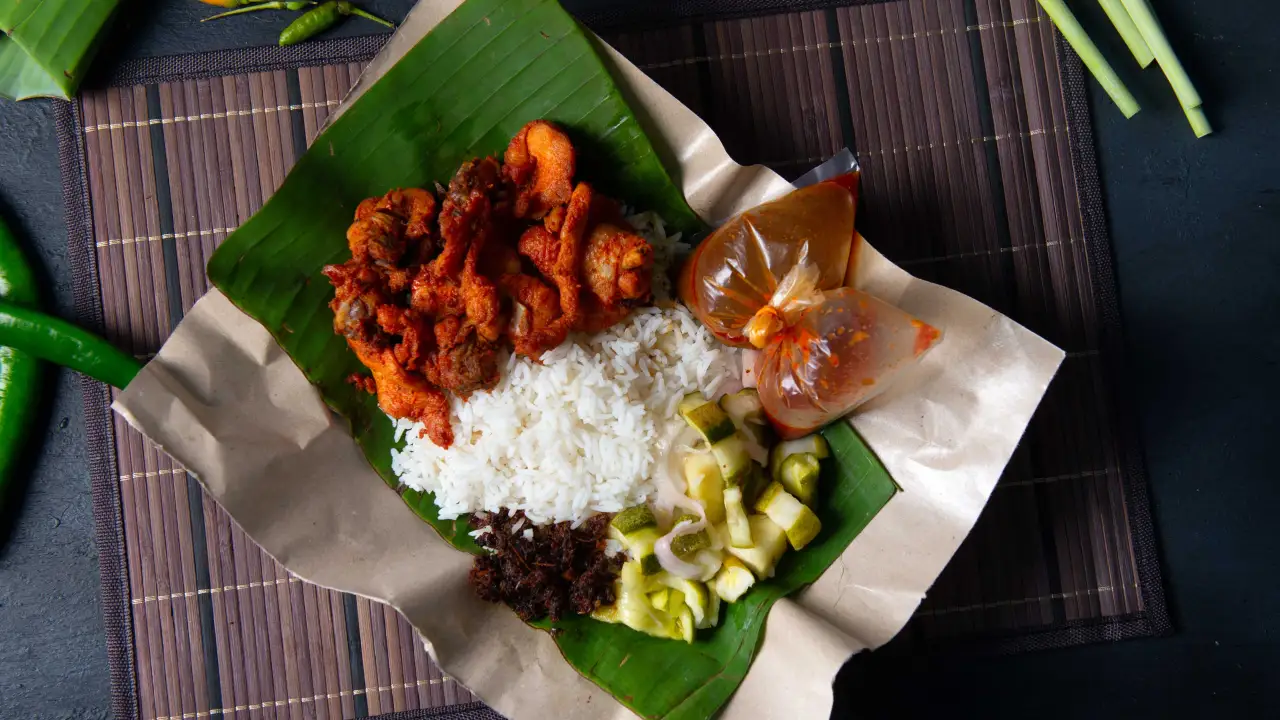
(1147, 24)
(1199, 123)
(1128, 31)
(1075, 35)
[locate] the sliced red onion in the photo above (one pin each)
(668, 475)
(667, 557)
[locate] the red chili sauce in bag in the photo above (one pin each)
(771, 279)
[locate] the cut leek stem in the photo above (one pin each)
(1128, 31)
(1092, 57)
(1147, 24)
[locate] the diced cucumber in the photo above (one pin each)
(634, 608)
(744, 406)
(814, 444)
(607, 613)
(659, 599)
(686, 546)
(770, 543)
(747, 412)
(712, 616)
(753, 484)
(733, 580)
(649, 564)
(693, 593)
(709, 420)
(685, 625)
(634, 518)
(639, 543)
(735, 515)
(702, 475)
(689, 402)
(675, 601)
(796, 519)
(733, 458)
(800, 474)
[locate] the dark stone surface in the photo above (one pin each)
(1196, 230)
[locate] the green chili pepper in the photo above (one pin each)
(232, 3)
(58, 341)
(301, 5)
(20, 373)
(319, 19)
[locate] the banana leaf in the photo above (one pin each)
(463, 91)
(47, 45)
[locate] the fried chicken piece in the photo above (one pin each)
(415, 206)
(535, 307)
(414, 330)
(617, 265)
(558, 259)
(433, 295)
(377, 236)
(479, 294)
(357, 296)
(597, 317)
(466, 204)
(539, 163)
(384, 227)
(462, 362)
(402, 394)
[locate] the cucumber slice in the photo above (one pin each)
(797, 520)
(753, 484)
(709, 420)
(799, 475)
(733, 580)
(634, 518)
(686, 546)
(814, 444)
(684, 626)
(736, 518)
(702, 475)
(732, 457)
(770, 543)
(747, 413)
(690, 401)
(607, 613)
(744, 407)
(712, 616)
(634, 608)
(639, 542)
(649, 564)
(694, 595)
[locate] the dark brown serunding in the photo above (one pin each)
(560, 569)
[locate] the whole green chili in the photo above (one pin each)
(20, 373)
(296, 5)
(321, 18)
(60, 342)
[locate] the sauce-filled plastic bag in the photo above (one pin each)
(771, 279)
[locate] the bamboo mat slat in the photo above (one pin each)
(978, 175)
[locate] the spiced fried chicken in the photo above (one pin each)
(513, 254)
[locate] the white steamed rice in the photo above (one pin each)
(581, 432)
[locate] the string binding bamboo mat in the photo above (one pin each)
(972, 126)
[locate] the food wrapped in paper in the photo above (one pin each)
(771, 279)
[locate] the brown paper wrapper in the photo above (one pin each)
(226, 401)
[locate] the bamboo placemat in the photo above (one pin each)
(973, 131)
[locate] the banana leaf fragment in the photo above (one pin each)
(47, 45)
(462, 92)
